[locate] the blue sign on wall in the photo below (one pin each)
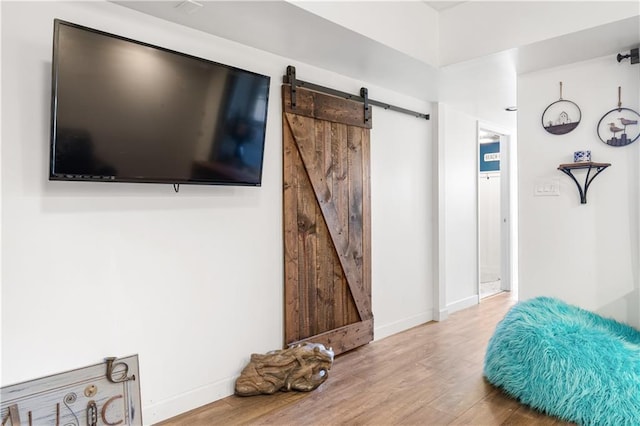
(490, 157)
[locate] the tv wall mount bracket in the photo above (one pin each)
(290, 78)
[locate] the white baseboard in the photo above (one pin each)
(165, 409)
(402, 325)
(463, 303)
(162, 410)
(441, 315)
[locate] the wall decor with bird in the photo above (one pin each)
(619, 127)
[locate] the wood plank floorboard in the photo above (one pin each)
(428, 375)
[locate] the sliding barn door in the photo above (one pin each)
(327, 221)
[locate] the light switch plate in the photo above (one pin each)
(546, 188)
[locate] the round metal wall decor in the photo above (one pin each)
(562, 116)
(619, 127)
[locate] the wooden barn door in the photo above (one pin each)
(327, 221)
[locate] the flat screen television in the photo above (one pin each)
(127, 111)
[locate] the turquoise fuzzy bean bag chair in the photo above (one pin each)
(567, 362)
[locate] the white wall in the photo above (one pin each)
(585, 254)
(457, 257)
(459, 141)
(483, 88)
(192, 282)
(1, 218)
(402, 218)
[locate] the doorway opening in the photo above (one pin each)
(496, 257)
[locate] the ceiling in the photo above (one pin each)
(289, 31)
(482, 87)
(443, 5)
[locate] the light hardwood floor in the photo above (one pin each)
(428, 375)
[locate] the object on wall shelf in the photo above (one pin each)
(634, 54)
(582, 156)
(560, 116)
(619, 120)
(567, 169)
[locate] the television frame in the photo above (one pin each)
(128, 179)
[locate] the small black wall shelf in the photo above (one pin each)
(567, 170)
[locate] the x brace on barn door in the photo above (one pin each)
(290, 78)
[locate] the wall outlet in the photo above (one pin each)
(545, 188)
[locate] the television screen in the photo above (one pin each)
(127, 111)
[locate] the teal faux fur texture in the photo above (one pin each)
(567, 362)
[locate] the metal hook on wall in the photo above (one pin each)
(111, 367)
(619, 97)
(560, 90)
(634, 54)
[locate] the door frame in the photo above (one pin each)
(508, 213)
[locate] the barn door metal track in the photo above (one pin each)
(290, 78)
